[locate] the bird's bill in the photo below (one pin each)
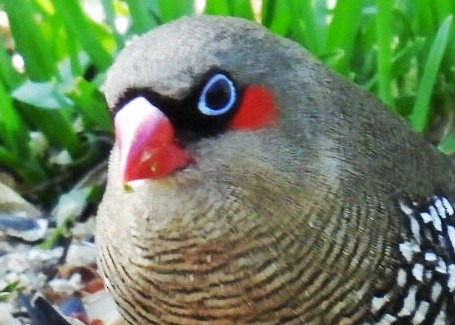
(146, 141)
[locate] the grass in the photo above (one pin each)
(53, 119)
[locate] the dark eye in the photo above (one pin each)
(218, 96)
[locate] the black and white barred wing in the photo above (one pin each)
(425, 280)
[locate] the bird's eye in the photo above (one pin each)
(218, 96)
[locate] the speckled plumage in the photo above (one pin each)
(300, 222)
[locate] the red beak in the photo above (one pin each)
(146, 141)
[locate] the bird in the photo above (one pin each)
(248, 184)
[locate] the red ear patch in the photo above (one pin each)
(257, 110)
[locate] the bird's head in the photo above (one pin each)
(200, 93)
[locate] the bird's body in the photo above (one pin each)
(314, 211)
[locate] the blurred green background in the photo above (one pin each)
(54, 126)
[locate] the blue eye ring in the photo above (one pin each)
(202, 104)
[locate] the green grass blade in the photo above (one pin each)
(29, 170)
(342, 31)
(241, 8)
(78, 26)
(425, 20)
(41, 94)
(302, 23)
(73, 53)
(8, 74)
(420, 113)
(140, 16)
(315, 17)
(170, 11)
(30, 42)
(279, 20)
(267, 12)
(12, 128)
(448, 144)
(403, 60)
(444, 8)
(109, 11)
(90, 102)
(57, 127)
(217, 7)
(384, 37)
